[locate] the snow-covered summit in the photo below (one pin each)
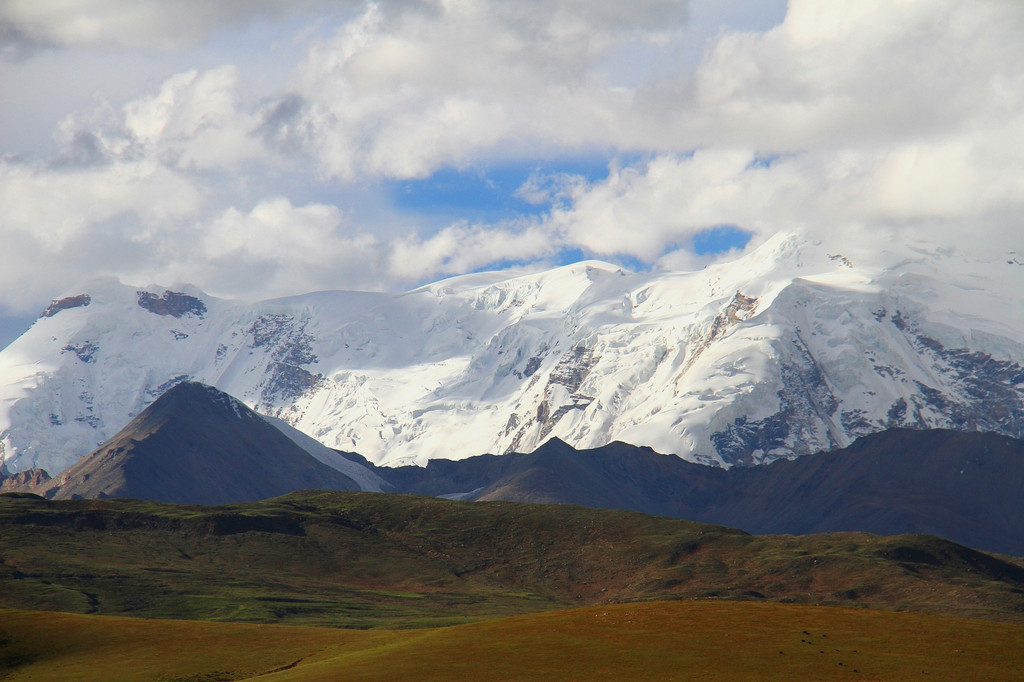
(792, 348)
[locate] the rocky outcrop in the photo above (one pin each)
(290, 348)
(29, 480)
(79, 301)
(171, 303)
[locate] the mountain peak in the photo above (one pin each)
(196, 445)
(555, 445)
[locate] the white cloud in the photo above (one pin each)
(664, 203)
(143, 222)
(62, 225)
(400, 94)
(464, 248)
(194, 121)
(57, 208)
(861, 117)
(940, 193)
(871, 72)
(140, 193)
(138, 24)
(550, 189)
(849, 117)
(277, 248)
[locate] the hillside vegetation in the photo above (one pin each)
(371, 560)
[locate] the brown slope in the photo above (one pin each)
(196, 445)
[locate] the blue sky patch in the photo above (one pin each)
(488, 193)
(720, 239)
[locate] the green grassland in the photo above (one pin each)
(364, 560)
(706, 640)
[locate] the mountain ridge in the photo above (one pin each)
(790, 350)
(198, 445)
(961, 486)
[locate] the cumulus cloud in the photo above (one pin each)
(940, 193)
(277, 248)
(847, 118)
(148, 193)
(862, 73)
(60, 225)
(873, 111)
(143, 222)
(665, 202)
(400, 94)
(195, 121)
(464, 248)
(59, 208)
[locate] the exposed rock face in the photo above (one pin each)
(24, 481)
(171, 303)
(67, 303)
(805, 403)
(987, 395)
(86, 351)
(561, 394)
(291, 350)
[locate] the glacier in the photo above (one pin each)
(790, 349)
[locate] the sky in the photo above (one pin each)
(262, 148)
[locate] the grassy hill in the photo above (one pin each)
(371, 560)
(707, 640)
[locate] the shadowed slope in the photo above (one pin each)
(962, 486)
(616, 476)
(966, 487)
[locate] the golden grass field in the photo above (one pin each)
(687, 640)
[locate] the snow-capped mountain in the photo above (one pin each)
(792, 349)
